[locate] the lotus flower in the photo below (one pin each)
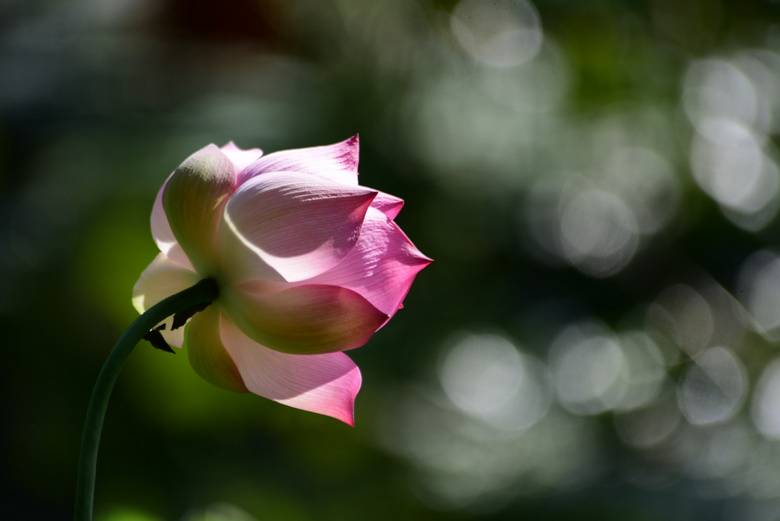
(308, 264)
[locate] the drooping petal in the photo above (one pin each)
(240, 158)
(162, 234)
(161, 279)
(389, 205)
(194, 199)
(290, 226)
(382, 265)
(303, 320)
(325, 384)
(207, 353)
(340, 159)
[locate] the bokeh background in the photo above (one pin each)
(597, 181)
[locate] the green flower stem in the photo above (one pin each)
(204, 292)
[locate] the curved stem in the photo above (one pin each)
(204, 292)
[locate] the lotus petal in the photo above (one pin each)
(161, 279)
(207, 353)
(298, 225)
(325, 383)
(339, 159)
(305, 319)
(240, 158)
(163, 235)
(194, 198)
(381, 267)
(389, 205)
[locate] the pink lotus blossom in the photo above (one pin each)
(308, 264)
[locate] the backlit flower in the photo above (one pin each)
(308, 264)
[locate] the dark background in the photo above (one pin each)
(597, 182)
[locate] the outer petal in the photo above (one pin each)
(389, 205)
(194, 199)
(303, 320)
(341, 158)
(325, 384)
(163, 236)
(161, 279)
(161, 229)
(381, 266)
(290, 226)
(207, 353)
(241, 158)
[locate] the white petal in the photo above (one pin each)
(241, 158)
(161, 279)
